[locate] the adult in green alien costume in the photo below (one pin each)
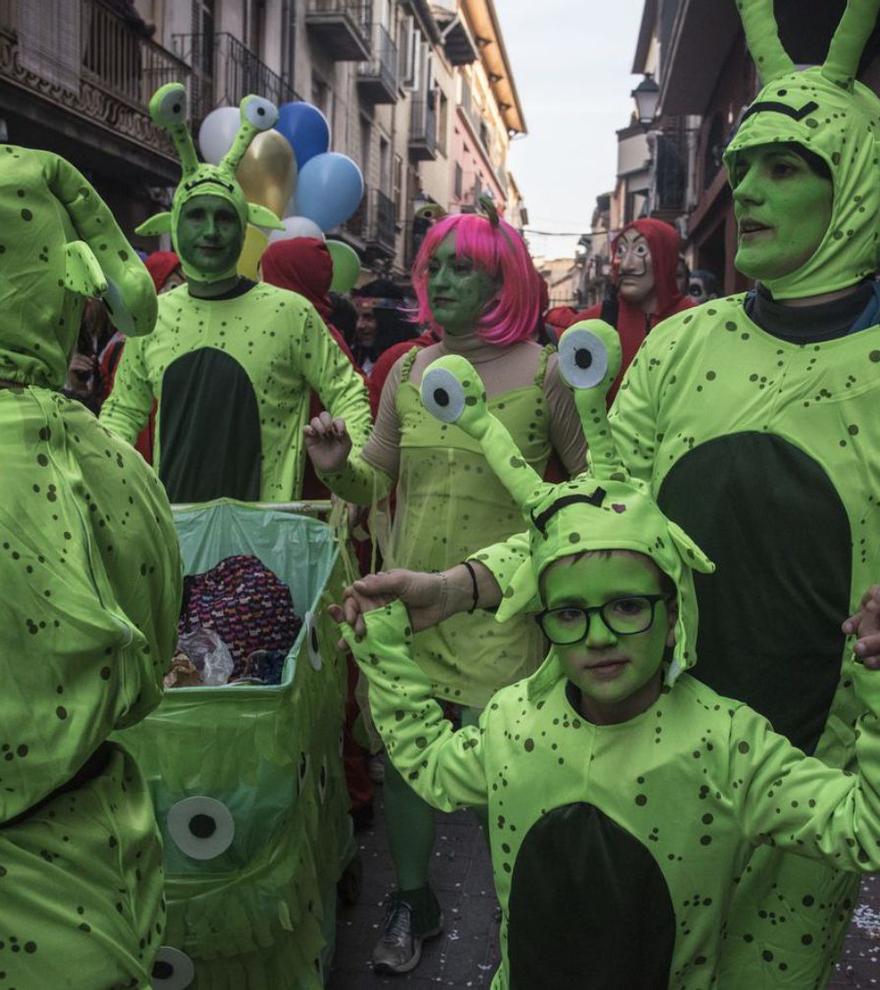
(624, 803)
(448, 502)
(231, 363)
(91, 580)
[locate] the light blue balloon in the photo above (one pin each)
(329, 189)
(306, 128)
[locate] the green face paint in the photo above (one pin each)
(618, 676)
(209, 235)
(783, 209)
(458, 291)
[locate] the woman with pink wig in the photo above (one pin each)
(477, 287)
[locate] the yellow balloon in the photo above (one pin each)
(267, 173)
(255, 242)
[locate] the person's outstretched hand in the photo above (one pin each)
(865, 626)
(327, 443)
(423, 594)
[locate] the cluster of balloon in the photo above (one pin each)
(290, 170)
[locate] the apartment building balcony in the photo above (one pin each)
(423, 128)
(342, 27)
(373, 226)
(224, 71)
(377, 78)
(85, 74)
(670, 167)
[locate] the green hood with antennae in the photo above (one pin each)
(825, 110)
(600, 510)
(168, 111)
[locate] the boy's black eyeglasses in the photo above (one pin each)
(622, 616)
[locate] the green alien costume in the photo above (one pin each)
(615, 848)
(762, 443)
(91, 580)
(231, 374)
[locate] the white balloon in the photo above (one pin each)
(296, 227)
(217, 133)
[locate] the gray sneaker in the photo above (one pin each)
(399, 950)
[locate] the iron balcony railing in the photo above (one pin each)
(89, 60)
(374, 222)
(341, 26)
(382, 67)
(224, 71)
(423, 124)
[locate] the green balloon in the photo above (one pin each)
(346, 266)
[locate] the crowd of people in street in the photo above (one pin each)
(623, 600)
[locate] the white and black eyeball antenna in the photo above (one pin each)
(453, 392)
(589, 362)
(168, 109)
(257, 115)
(172, 969)
(201, 827)
(590, 355)
(259, 112)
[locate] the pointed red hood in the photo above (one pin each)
(665, 245)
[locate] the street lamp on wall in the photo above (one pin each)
(647, 96)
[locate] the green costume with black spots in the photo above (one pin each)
(91, 575)
(231, 375)
(615, 848)
(765, 450)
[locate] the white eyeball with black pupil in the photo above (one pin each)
(172, 970)
(172, 107)
(262, 113)
(442, 395)
(312, 641)
(583, 359)
(201, 827)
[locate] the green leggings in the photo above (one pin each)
(409, 822)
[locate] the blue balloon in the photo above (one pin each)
(306, 128)
(329, 189)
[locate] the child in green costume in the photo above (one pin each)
(91, 580)
(232, 363)
(475, 280)
(753, 419)
(624, 796)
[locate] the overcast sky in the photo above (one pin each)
(571, 63)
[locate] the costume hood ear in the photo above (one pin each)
(691, 554)
(155, 225)
(262, 216)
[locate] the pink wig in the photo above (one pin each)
(499, 251)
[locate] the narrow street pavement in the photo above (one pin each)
(466, 954)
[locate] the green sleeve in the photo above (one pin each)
(358, 481)
(128, 406)
(798, 803)
(444, 767)
(344, 395)
(633, 417)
